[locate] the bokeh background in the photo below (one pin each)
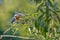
(27, 26)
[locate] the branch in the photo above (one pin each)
(1, 36)
(7, 30)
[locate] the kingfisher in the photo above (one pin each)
(16, 17)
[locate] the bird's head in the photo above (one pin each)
(18, 15)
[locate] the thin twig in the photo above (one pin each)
(7, 30)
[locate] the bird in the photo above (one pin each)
(16, 17)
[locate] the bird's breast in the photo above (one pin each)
(17, 17)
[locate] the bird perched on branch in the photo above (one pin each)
(16, 17)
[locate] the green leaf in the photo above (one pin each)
(50, 3)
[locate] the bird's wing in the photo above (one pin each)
(13, 19)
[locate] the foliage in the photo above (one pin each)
(42, 20)
(49, 13)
